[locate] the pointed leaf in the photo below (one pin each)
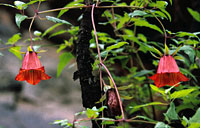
(19, 18)
(158, 51)
(58, 33)
(14, 39)
(64, 60)
(56, 20)
(16, 52)
(196, 117)
(145, 105)
(51, 29)
(154, 55)
(20, 5)
(9, 5)
(182, 93)
(166, 50)
(144, 23)
(176, 50)
(171, 113)
(118, 45)
(195, 14)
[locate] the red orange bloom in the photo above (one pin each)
(32, 71)
(168, 73)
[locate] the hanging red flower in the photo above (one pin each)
(168, 73)
(32, 71)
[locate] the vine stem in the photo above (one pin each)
(87, 6)
(164, 30)
(30, 31)
(101, 64)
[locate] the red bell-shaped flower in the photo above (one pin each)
(32, 71)
(168, 73)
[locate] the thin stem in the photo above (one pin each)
(117, 92)
(101, 63)
(77, 7)
(164, 30)
(149, 88)
(30, 31)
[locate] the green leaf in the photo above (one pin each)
(101, 99)
(195, 14)
(126, 97)
(171, 113)
(51, 29)
(58, 33)
(145, 105)
(71, 4)
(107, 122)
(14, 39)
(166, 50)
(196, 117)
(144, 23)
(20, 5)
(92, 113)
(9, 5)
(56, 20)
(37, 33)
(118, 45)
(157, 51)
(63, 46)
(16, 52)
(125, 87)
(182, 93)
(174, 53)
(137, 13)
(142, 73)
(185, 121)
(64, 60)
(189, 51)
(161, 125)
(19, 18)
(156, 89)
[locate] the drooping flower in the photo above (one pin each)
(32, 71)
(168, 73)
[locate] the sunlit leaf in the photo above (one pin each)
(144, 23)
(9, 5)
(156, 89)
(174, 53)
(63, 61)
(166, 49)
(125, 87)
(182, 93)
(16, 52)
(57, 33)
(118, 45)
(20, 5)
(145, 105)
(19, 18)
(14, 39)
(71, 4)
(195, 14)
(37, 33)
(51, 29)
(161, 125)
(137, 13)
(56, 20)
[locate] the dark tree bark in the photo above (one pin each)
(91, 91)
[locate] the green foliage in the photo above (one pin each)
(20, 5)
(64, 123)
(16, 52)
(171, 113)
(64, 60)
(14, 39)
(161, 125)
(19, 18)
(51, 29)
(56, 20)
(195, 14)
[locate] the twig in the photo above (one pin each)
(101, 63)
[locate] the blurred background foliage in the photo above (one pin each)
(130, 37)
